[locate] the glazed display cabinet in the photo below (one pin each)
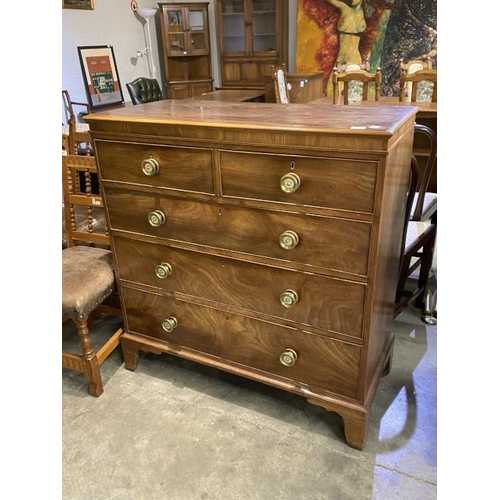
(185, 41)
(252, 37)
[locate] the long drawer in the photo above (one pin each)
(173, 167)
(320, 362)
(324, 242)
(331, 304)
(313, 181)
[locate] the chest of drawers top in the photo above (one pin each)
(375, 128)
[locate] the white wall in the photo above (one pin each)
(112, 22)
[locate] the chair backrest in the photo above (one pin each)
(84, 215)
(143, 90)
(419, 86)
(352, 66)
(281, 87)
(415, 64)
(77, 133)
(429, 142)
(355, 85)
(410, 197)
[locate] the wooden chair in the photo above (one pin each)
(143, 90)
(88, 280)
(417, 252)
(419, 85)
(281, 86)
(357, 82)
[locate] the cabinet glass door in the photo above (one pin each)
(198, 37)
(176, 33)
(233, 26)
(264, 26)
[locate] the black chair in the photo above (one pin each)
(143, 90)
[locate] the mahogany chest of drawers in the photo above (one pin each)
(260, 239)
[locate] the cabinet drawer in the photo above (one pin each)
(321, 362)
(177, 167)
(323, 182)
(325, 242)
(331, 304)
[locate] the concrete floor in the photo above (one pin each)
(180, 431)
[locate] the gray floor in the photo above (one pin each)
(181, 431)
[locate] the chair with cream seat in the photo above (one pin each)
(417, 81)
(416, 260)
(361, 84)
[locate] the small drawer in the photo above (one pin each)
(313, 181)
(331, 304)
(318, 361)
(316, 241)
(170, 167)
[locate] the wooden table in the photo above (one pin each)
(425, 109)
(231, 95)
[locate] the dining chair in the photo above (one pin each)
(418, 85)
(416, 259)
(281, 85)
(88, 279)
(359, 83)
(142, 90)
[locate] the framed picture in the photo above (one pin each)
(78, 4)
(102, 83)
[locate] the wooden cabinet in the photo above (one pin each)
(186, 49)
(252, 37)
(265, 247)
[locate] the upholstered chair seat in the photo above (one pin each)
(87, 279)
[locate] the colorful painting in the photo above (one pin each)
(102, 83)
(379, 32)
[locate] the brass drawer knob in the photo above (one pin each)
(169, 324)
(290, 182)
(150, 166)
(289, 298)
(156, 218)
(288, 357)
(163, 270)
(289, 239)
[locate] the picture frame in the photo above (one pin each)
(100, 75)
(78, 4)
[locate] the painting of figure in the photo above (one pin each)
(377, 32)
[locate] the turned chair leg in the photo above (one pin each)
(91, 368)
